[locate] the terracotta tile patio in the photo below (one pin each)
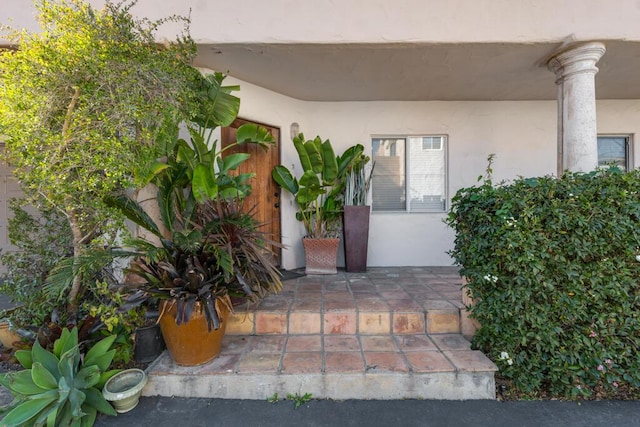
(400, 326)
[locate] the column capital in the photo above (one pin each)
(576, 59)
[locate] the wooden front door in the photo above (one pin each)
(264, 201)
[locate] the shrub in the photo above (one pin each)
(85, 102)
(42, 240)
(554, 265)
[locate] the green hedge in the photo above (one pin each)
(554, 264)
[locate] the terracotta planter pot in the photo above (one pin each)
(321, 255)
(8, 337)
(355, 221)
(191, 344)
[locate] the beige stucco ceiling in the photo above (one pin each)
(415, 72)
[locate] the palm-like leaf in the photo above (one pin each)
(221, 107)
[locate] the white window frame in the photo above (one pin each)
(444, 146)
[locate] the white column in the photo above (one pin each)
(575, 69)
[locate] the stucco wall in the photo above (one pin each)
(386, 21)
(522, 135)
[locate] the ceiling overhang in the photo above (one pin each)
(415, 72)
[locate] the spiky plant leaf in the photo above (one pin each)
(21, 382)
(89, 417)
(24, 357)
(42, 377)
(68, 339)
(213, 320)
(66, 366)
(95, 399)
(46, 359)
(104, 360)
(98, 350)
(87, 377)
(26, 411)
(65, 416)
(76, 399)
(53, 395)
(63, 389)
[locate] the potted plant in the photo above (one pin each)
(139, 335)
(220, 253)
(200, 246)
(355, 218)
(319, 196)
(208, 248)
(148, 343)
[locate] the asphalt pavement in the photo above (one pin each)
(191, 412)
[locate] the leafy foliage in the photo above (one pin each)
(194, 173)
(220, 252)
(319, 192)
(233, 235)
(106, 305)
(60, 388)
(358, 178)
(554, 264)
(298, 399)
(41, 239)
(208, 246)
(85, 102)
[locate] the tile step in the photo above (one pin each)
(336, 386)
(358, 304)
(355, 321)
(417, 366)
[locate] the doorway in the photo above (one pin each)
(264, 201)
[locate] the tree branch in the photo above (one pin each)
(67, 116)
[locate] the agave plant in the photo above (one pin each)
(60, 388)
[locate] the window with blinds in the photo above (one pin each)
(409, 174)
(613, 150)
